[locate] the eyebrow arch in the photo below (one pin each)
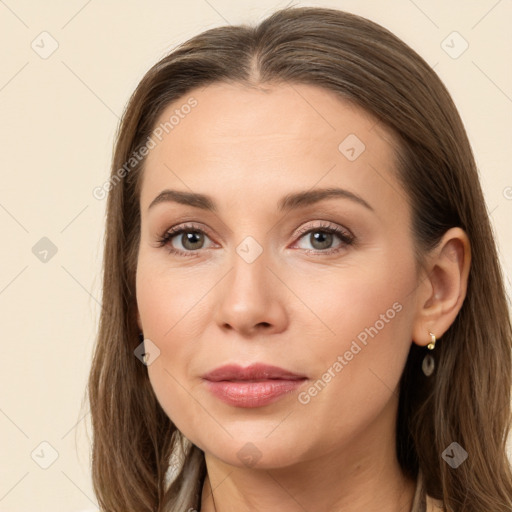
(297, 200)
(188, 198)
(289, 202)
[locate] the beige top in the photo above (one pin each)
(434, 505)
(422, 502)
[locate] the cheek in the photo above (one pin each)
(168, 299)
(169, 312)
(358, 301)
(172, 315)
(365, 321)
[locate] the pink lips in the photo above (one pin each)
(254, 386)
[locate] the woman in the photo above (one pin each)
(303, 305)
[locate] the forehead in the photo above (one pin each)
(244, 141)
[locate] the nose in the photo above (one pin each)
(251, 300)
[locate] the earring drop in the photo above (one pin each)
(428, 364)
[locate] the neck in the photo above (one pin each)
(365, 477)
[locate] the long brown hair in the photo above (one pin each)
(466, 401)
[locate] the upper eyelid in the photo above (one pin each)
(327, 225)
(199, 227)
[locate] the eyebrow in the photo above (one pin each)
(289, 202)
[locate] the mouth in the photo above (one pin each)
(254, 386)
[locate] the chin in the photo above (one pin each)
(258, 453)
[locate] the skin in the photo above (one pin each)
(247, 147)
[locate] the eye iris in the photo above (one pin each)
(191, 238)
(323, 237)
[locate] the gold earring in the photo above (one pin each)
(432, 343)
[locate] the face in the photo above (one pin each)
(272, 269)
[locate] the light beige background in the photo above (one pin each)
(58, 119)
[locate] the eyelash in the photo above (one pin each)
(346, 239)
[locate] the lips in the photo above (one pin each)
(253, 386)
(254, 372)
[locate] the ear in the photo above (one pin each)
(442, 287)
